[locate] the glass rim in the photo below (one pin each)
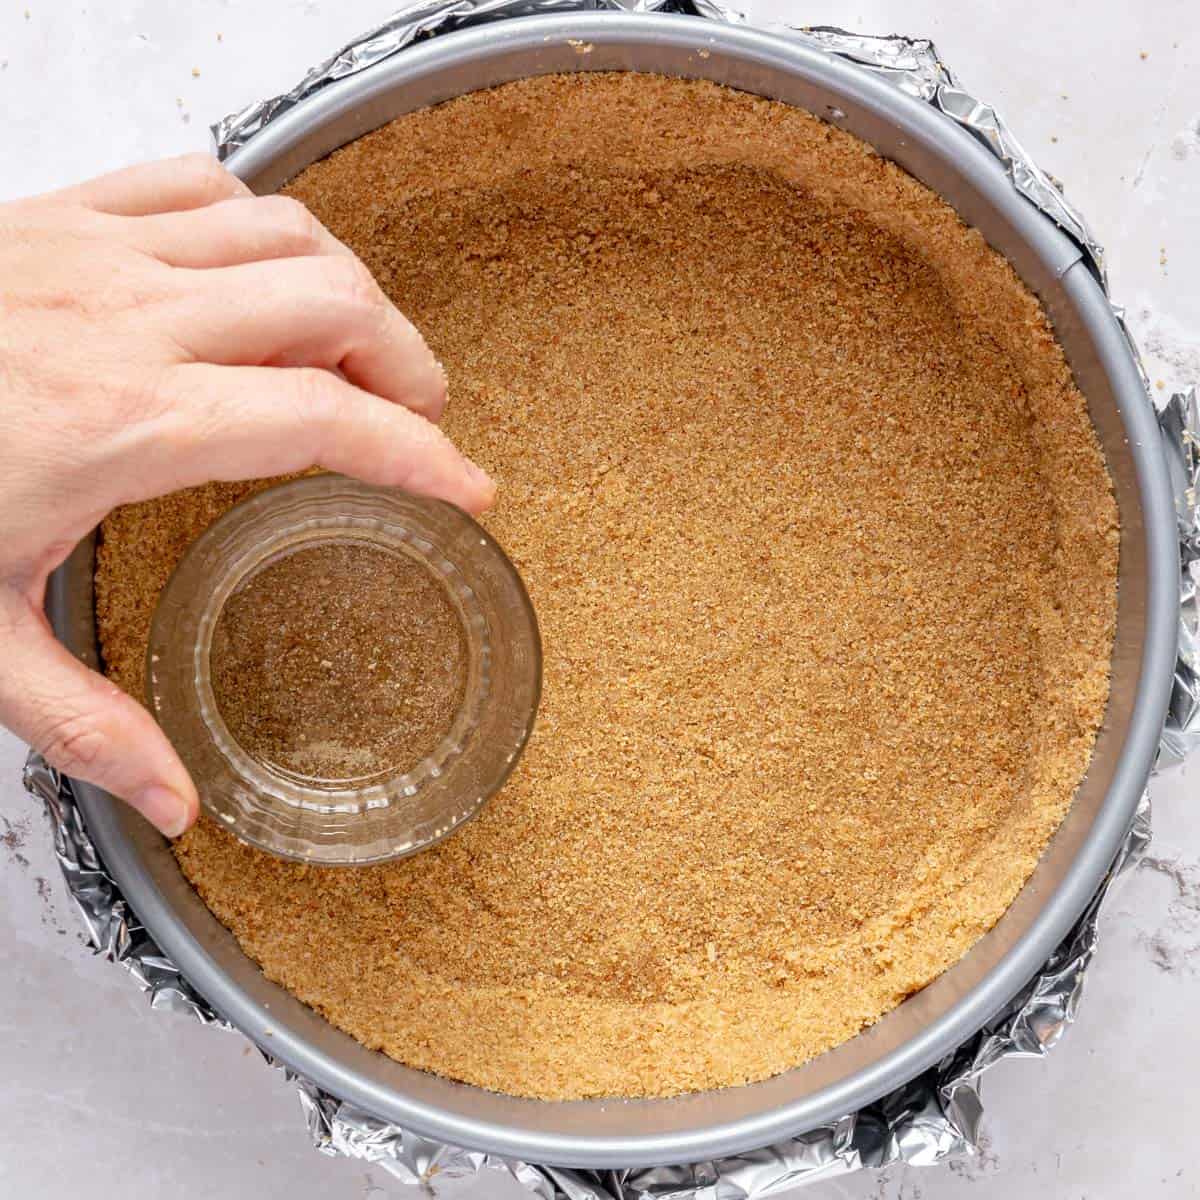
(393, 813)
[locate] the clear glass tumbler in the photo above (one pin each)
(348, 821)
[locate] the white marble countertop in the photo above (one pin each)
(100, 1097)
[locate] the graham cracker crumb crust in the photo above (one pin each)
(824, 554)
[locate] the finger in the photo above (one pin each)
(168, 185)
(319, 311)
(233, 232)
(85, 726)
(249, 422)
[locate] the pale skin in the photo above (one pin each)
(162, 327)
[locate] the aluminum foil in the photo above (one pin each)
(914, 66)
(936, 1115)
(408, 25)
(1180, 425)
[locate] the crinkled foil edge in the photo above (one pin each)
(936, 1115)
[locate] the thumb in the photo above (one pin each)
(84, 725)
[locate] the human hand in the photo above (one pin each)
(161, 327)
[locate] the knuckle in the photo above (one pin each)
(318, 399)
(72, 744)
(210, 180)
(145, 396)
(14, 611)
(349, 280)
(292, 221)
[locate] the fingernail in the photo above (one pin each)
(166, 810)
(478, 474)
(482, 480)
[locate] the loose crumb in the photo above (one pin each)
(824, 556)
(338, 662)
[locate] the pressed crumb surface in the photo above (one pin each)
(823, 551)
(339, 661)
